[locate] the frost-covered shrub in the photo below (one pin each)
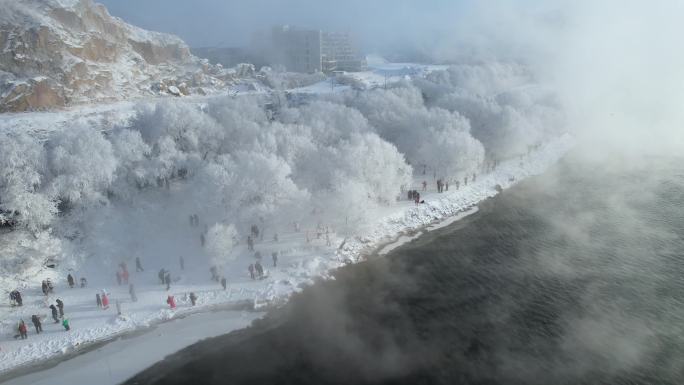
(401, 117)
(81, 163)
(375, 164)
(327, 161)
(131, 151)
(263, 183)
(329, 122)
(451, 153)
(22, 172)
(506, 110)
(219, 243)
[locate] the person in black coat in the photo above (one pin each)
(36, 322)
(259, 269)
(167, 280)
(60, 305)
(15, 296)
(138, 265)
(223, 282)
(70, 280)
(55, 315)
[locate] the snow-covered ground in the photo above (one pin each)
(379, 73)
(303, 257)
(119, 360)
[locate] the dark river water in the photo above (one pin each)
(573, 277)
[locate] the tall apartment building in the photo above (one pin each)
(309, 51)
(339, 54)
(298, 50)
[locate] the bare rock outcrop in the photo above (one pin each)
(56, 53)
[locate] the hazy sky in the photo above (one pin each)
(230, 22)
(614, 62)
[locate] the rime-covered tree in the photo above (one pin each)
(219, 243)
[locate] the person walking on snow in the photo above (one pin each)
(167, 280)
(118, 307)
(274, 255)
(424, 186)
(84, 282)
(223, 282)
(99, 300)
(15, 296)
(171, 301)
(55, 315)
(193, 298)
(259, 269)
(251, 270)
(105, 300)
(70, 280)
(138, 265)
(131, 291)
(65, 323)
(23, 332)
(60, 306)
(124, 276)
(36, 323)
(161, 275)
(118, 277)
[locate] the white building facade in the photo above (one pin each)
(310, 51)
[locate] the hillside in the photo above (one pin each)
(56, 53)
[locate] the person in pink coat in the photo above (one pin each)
(171, 301)
(105, 300)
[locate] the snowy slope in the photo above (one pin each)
(303, 258)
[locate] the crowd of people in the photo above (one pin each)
(256, 271)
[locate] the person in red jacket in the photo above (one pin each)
(171, 301)
(105, 301)
(124, 277)
(23, 332)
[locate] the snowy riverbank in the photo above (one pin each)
(123, 357)
(300, 263)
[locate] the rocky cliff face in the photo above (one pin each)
(55, 53)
